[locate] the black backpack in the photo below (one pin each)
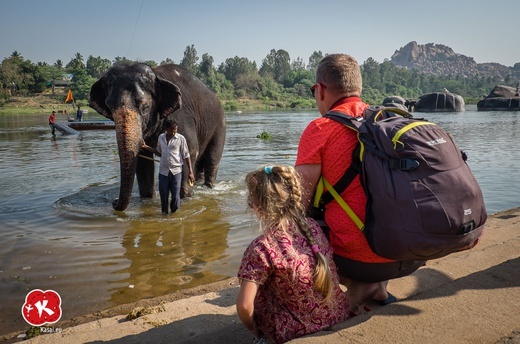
(423, 201)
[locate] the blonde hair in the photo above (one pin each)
(341, 73)
(275, 192)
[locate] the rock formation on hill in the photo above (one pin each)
(439, 60)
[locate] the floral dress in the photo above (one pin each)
(287, 304)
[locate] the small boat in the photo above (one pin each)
(92, 125)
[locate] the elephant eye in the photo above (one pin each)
(145, 108)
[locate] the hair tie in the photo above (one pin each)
(315, 248)
(268, 169)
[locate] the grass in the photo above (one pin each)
(47, 102)
(23, 105)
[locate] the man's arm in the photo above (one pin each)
(187, 161)
(309, 174)
(149, 148)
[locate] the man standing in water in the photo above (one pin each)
(52, 119)
(79, 114)
(173, 150)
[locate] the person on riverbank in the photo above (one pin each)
(288, 281)
(79, 114)
(52, 120)
(173, 150)
(325, 149)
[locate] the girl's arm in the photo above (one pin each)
(246, 305)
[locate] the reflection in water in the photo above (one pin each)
(169, 253)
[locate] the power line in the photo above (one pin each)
(135, 27)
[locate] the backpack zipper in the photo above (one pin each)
(404, 129)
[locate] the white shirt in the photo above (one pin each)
(173, 153)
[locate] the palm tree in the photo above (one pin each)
(77, 62)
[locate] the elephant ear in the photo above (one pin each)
(170, 97)
(98, 95)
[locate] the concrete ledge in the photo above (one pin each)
(469, 297)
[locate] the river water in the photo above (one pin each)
(58, 230)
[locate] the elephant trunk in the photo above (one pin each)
(129, 137)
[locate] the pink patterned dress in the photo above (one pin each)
(287, 305)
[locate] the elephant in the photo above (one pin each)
(138, 98)
(440, 102)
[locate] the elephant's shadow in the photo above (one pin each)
(94, 200)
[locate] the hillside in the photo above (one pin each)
(441, 60)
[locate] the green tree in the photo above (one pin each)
(370, 73)
(14, 74)
(43, 74)
(223, 87)
(167, 61)
(270, 89)
(76, 62)
(151, 63)
(300, 81)
(119, 59)
(97, 66)
(276, 65)
(298, 64)
(81, 84)
(58, 64)
(314, 61)
(235, 67)
(189, 61)
(207, 73)
(248, 85)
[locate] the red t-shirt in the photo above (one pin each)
(330, 143)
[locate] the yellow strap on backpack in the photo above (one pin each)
(319, 191)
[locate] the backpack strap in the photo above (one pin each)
(342, 203)
(345, 180)
(321, 197)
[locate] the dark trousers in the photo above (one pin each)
(170, 184)
(375, 272)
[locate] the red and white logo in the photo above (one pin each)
(42, 307)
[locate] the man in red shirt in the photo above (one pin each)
(52, 119)
(325, 149)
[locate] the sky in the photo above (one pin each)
(51, 30)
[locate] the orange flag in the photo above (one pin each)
(69, 96)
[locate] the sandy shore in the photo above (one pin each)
(468, 297)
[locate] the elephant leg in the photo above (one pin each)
(145, 172)
(199, 168)
(211, 159)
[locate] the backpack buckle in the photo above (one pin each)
(404, 164)
(408, 164)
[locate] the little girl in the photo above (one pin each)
(288, 281)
